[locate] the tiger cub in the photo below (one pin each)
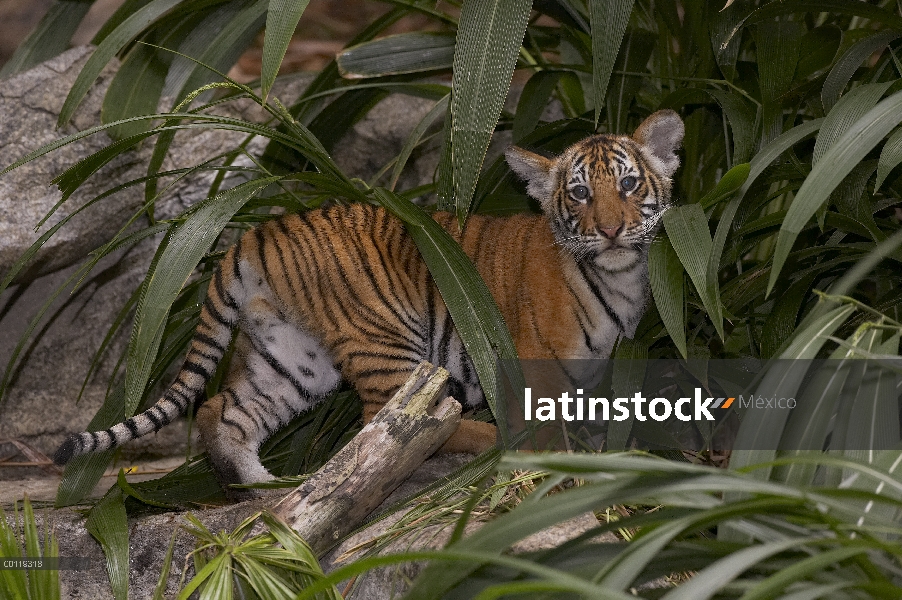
(342, 293)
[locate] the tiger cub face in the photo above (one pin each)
(604, 195)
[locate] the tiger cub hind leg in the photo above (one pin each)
(278, 371)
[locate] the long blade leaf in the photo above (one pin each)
(488, 41)
(473, 310)
(608, 21)
(837, 162)
(281, 20)
(186, 246)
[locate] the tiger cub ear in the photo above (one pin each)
(535, 169)
(662, 134)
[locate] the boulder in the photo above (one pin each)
(149, 536)
(75, 325)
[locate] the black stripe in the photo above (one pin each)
(386, 371)
(197, 369)
(222, 292)
(151, 414)
(430, 314)
(360, 313)
(329, 293)
(179, 403)
(208, 341)
(213, 358)
(599, 296)
(258, 391)
(236, 265)
(132, 427)
(184, 390)
(387, 269)
(261, 252)
(445, 342)
(281, 370)
(231, 423)
(208, 304)
(297, 271)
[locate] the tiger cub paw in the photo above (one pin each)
(471, 437)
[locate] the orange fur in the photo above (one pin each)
(343, 293)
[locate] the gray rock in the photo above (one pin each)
(149, 537)
(75, 326)
(39, 406)
(29, 106)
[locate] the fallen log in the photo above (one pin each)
(344, 491)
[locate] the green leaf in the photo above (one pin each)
(501, 533)
(108, 524)
(217, 42)
(608, 22)
(266, 582)
(709, 581)
(849, 109)
(800, 571)
(135, 90)
(781, 322)
(412, 52)
(763, 428)
(635, 52)
(127, 8)
(741, 117)
(687, 229)
(849, 62)
(50, 38)
(665, 273)
(473, 310)
(281, 20)
(778, 44)
(174, 263)
(759, 163)
(533, 101)
(723, 42)
(209, 573)
(13, 583)
(160, 590)
(845, 284)
(630, 361)
(810, 423)
(836, 163)
(843, 7)
(415, 136)
(108, 48)
(873, 422)
(819, 47)
(890, 157)
(728, 184)
(488, 42)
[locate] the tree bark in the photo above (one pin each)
(341, 494)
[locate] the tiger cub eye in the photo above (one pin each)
(579, 192)
(628, 183)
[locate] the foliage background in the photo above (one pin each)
(784, 243)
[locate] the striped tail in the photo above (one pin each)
(218, 318)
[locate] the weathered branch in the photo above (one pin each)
(408, 429)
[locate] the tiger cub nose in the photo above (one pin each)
(612, 232)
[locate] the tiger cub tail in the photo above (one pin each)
(218, 318)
